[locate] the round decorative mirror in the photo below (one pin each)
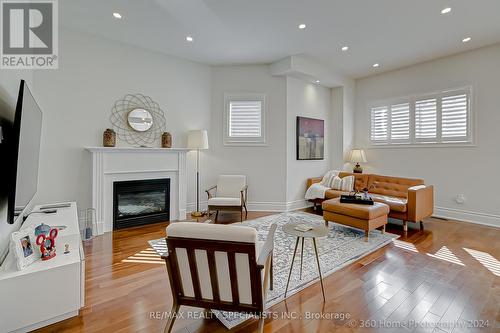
(140, 120)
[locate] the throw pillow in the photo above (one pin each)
(345, 184)
(348, 183)
(327, 178)
(336, 183)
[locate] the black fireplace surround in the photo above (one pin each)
(140, 202)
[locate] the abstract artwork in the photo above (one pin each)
(310, 139)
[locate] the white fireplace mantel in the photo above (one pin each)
(121, 164)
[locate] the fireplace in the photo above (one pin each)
(140, 202)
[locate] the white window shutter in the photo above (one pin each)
(443, 117)
(400, 122)
(426, 120)
(454, 117)
(379, 124)
(245, 119)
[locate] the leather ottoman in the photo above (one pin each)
(365, 217)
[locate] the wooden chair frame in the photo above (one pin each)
(239, 208)
(259, 289)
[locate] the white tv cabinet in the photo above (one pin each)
(46, 291)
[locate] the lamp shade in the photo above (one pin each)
(198, 139)
(357, 155)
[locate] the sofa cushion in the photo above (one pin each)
(365, 212)
(391, 186)
(394, 203)
(221, 201)
(331, 194)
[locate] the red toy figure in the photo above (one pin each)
(47, 244)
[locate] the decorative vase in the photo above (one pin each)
(109, 138)
(166, 140)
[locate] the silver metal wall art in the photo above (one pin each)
(138, 120)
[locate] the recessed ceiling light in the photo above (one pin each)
(345, 48)
(302, 26)
(117, 15)
(446, 10)
(189, 38)
(376, 65)
(317, 81)
(466, 39)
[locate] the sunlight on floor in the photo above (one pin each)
(445, 254)
(148, 256)
(405, 245)
(486, 259)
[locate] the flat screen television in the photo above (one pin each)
(24, 153)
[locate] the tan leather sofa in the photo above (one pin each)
(408, 199)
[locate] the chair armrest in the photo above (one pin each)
(267, 248)
(311, 181)
(420, 202)
(210, 189)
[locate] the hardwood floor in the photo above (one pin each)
(447, 273)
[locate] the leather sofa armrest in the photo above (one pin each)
(311, 181)
(420, 202)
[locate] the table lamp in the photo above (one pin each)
(197, 139)
(356, 156)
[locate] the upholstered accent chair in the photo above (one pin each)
(220, 267)
(230, 194)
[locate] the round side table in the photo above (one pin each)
(317, 231)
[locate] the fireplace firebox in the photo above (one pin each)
(140, 202)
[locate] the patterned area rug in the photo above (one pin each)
(342, 246)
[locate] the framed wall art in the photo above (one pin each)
(310, 139)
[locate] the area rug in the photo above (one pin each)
(342, 246)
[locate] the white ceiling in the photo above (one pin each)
(394, 33)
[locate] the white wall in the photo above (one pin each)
(9, 88)
(265, 166)
(342, 124)
(462, 170)
(307, 100)
(77, 99)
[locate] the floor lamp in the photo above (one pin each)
(198, 140)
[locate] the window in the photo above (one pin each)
(244, 119)
(439, 118)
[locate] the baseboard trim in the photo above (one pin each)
(491, 220)
(298, 204)
(191, 206)
(271, 206)
(467, 216)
